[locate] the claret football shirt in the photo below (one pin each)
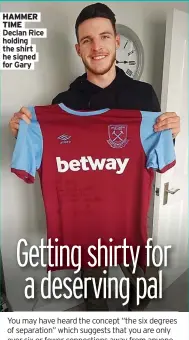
(96, 169)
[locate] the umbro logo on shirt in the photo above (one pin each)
(87, 163)
(64, 139)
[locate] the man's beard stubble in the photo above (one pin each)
(101, 72)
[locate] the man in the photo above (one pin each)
(103, 85)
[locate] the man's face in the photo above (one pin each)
(97, 45)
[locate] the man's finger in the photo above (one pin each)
(26, 112)
(16, 115)
(14, 120)
(166, 115)
(167, 121)
(19, 115)
(167, 126)
(15, 127)
(26, 119)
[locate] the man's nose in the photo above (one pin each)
(96, 44)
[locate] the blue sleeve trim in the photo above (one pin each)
(158, 146)
(37, 139)
(28, 150)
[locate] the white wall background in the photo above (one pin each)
(22, 206)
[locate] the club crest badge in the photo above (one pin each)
(117, 136)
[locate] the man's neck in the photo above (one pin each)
(102, 80)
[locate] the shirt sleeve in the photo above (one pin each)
(158, 146)
(27, 154)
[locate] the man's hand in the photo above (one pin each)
(24, 114)
(168, 120)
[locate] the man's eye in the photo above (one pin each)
(85, 41)
(105, 36)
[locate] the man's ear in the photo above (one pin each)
(117, 40)
(77, 49)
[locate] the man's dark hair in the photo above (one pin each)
(97, 10)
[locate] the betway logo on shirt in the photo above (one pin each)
(87, 163)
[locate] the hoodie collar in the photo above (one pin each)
(81, 83)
